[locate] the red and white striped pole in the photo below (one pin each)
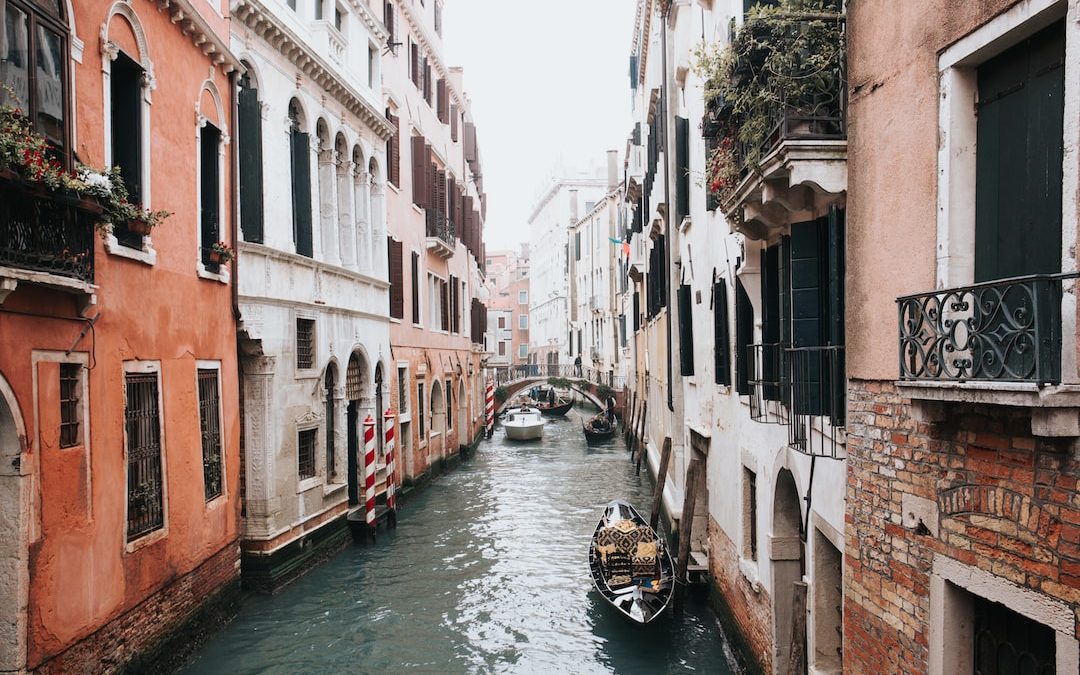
(369, 472)
(490, 407)
(391, 476)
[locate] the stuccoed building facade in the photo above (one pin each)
(313, 296)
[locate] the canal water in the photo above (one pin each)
(487, 572)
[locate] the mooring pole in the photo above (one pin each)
(661, 477)
(490, 408)
(686, 522)
(641, 441)
(391, 474)
(369, 475)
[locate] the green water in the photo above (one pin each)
(486, 573)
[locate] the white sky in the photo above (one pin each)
(549, 85)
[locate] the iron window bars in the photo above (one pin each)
(145, 507)
(210, 428)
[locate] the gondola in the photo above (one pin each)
(630, 566)
(598, 429)
(557, 410)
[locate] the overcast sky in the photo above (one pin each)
(549, 85)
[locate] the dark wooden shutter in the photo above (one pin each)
(721, 339)
(397, 279)
(744, 334)
(1020, 144)
(393, 150)
(470, 142)
(453, 123)
(427, 80)
(388, 20)
(770, 321)
(419, 170)
(209, 191)
(444, 302)
(414, 62)
(836, 386)
(250, 159)
(686, 331)
(637, 311)
(301, 192)
(415, 271)
(682, 168)
(808, 272)
(443, 95)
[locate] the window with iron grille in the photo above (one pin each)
(145, 499)
(420, 407)
(305, 445)
(210, 426)
(449, 406)
(403, 390)
(305, 343)
(69, 404)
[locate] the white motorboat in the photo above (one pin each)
(522, 424)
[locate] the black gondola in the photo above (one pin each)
(630, 566)
(598, 429)
(549, 410)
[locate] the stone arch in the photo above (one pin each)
(327, 193)
(218, 120)
(298, 118)
(13, 566)
(786, 555)
(377, 217)
(110, 48)
(362, 200)
(437, 408)
(250, 71)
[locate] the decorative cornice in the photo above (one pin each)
(267, 26)
(424, 40)
(373, 23)
(204, 37)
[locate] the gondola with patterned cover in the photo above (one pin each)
(630, 566)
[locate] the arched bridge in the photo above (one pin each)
(593, 384)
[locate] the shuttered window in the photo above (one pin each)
(773, 286)
(686, 331)
(209, 193)
(125, 92)
(393, 151)
(420, 164)
(299, 150)
(454, 123)
(744, 334)
(397, 280)
(250, 160)
(682, 169)
(444, 301)
(415, 287)
(443, 101)
(721, 339)
(1019, 156)
(414, 62)
(637, 311)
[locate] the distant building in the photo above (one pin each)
(508, 308)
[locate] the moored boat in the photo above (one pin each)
(630, 565)
(522, 424)
(599, 428)
(555, 409)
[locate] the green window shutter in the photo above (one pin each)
(744, 333)
(809, 270)
(637, 311)
(682, 168)
(251, 163)
(1019, 137)
(301, 192)
(721, 339)
(209, 192)
(836, 373)
(770, 322)
(686, 331)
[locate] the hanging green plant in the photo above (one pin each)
(782, 74)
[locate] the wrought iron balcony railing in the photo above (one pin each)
(1003, 331)
(46, 231)
(803, 388)
(439, 226)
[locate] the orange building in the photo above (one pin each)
(119, 417)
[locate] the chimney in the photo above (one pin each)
(612, 169)
(573, 206)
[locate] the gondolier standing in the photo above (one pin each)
(610, 409)
(577, 365)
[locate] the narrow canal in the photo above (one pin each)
(486, 573)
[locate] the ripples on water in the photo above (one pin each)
(486, 573)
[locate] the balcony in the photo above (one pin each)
(46, 238)
(440, 234)
(803, 389)
(998, 342)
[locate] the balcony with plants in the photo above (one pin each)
(775, 122)
(49, 213)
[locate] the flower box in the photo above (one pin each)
(139, 226)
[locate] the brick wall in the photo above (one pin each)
(160, 633)
(1006, 502)
(749, 611)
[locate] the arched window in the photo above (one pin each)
(331, 384)
(34, 67)
(249, 131)
(300, 156)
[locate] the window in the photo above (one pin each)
(682, 169)
(209, 192)
(415, 287)
(523, 297)
(305, 451)
(328, 394)
(249, 154)
(145, 488)
(749, 501)
(523, 350)
(420, 408)
(292, 4)
(393, 150)
(305, 344)
(523, 321)
(33, 64)
(397, 280)
(125, 99)
(300, 164)
(589, 206)
(339, 20)
(372, 55)
(502, 348)
(319, 10)
(69, 404)
(577, 245)
(744, 335)
(721, 339)
(388, 21)
(502, 323)
(449, 406)
(438, 303)
(403, 390)
(686, 331)
(210, 428)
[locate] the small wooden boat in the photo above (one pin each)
(523, 424)
(598, 429)
(555, 409)
(630, 566)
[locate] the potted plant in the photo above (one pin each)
(220, 253)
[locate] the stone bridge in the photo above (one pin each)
(589, 382)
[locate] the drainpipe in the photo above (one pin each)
(234, 191)
(665, 8)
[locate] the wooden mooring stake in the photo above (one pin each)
(796, 662)
(686, 521)
(641, 442)
(661, 477)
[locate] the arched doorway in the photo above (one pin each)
(357, 391)
(438, 416)
(787, 569)
(464, 433)
(13, 593)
